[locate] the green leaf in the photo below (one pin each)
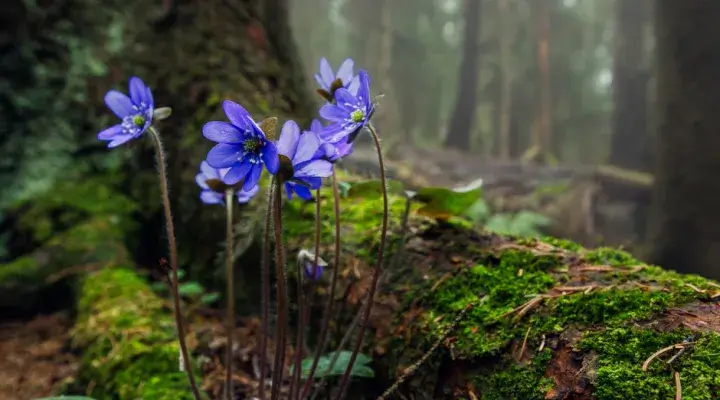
(478, 212)
(159, 287)
(360, 368)
(191, 289)
(344, 188)
(161, 113)
(209, 298)
(373, 188)
(443, 203)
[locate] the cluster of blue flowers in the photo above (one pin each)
(242, 149)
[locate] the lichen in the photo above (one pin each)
(128, 338)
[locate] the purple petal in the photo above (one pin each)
(326, 72)
(303, 192)
(149, 98)
(315, 168)
(321, 83)
(208, 171)
(364, 90)
(224, 155)
(345, 72)
(119, 104)
(252, 178)
(235, 112)
(306, 148)
(210, 197)
(122, 139)
(138, 91)
(223, 132)
(344, 98)
(109, 133)
(331, 112)
(354, 85)
(289, 189)
(270, 158)
(201, 181)
(237, 173)
(316, 126)
(244, 196)
(289, 137)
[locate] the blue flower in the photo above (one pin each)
(311, 273)
(210, 196)
(301, 151)
(242, 147)
(326, 77)
(135, 113)
(350, 113)
(330, 151)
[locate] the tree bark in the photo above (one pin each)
(463, 116)
(685, 223)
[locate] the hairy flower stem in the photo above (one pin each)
(376, 272)
(230, 276)
(305, 306)
(333, 284)
(265, 300)
(279, 362)
(172, 249)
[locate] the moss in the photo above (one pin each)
(511, 380)
(130, 348)
(621, 351)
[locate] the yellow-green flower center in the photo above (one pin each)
(252, 145)
(357, 116)
(139, 121)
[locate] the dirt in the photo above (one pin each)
(35, 357)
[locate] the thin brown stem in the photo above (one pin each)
(172, 249)
(376, 273)
(265, 301)
(230, 276)
(333, 286)
(279, 362)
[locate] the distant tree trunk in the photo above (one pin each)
(461, 123)
(686, 221)
(505, 99)
(629, 120)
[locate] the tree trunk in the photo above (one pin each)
(463, 116)
(542, 133)
(505, 100)
(686, 220)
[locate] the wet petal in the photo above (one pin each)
(307, 146)
(331, 112)
(210, 197)
(345, 72)
(223, 132)
(122, 139)
(326, 72)
(252, 178)
(111, 132)
(270, 158)
(315, 168)
(289, 137)
(235, 113)
(237, 173)
(138, 91)
(344, 98)
(224, 155)
(119, 103)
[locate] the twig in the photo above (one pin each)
(230, 276)
(410, 370)
(662, 351)
(524, 344)
(678, 387)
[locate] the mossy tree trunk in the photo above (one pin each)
(685, 226)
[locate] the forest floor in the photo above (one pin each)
(35, 357)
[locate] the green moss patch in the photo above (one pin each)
(129, 340)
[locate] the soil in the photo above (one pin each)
(35, 357)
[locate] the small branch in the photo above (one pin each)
(410, 370)
(678, 387)
(679, 346)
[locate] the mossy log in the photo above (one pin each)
(547, 318)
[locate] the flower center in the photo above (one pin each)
(252, 145)
(357, 116)
(139, 121)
